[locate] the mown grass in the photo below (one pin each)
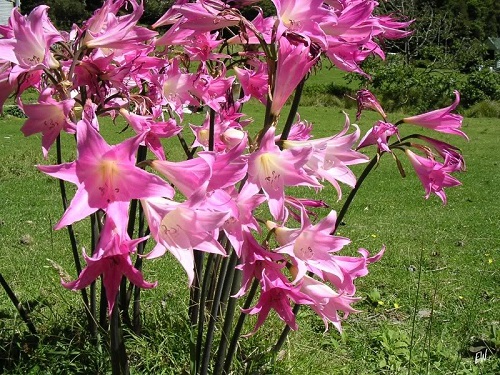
(449, 254)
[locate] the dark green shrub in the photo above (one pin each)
(479, 86)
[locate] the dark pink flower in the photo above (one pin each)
(112, 257)
(104, 174)
(433, 175)
(441, 120)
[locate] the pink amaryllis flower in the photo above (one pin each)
(30, 42)
(366, 100)
(327, 303)
(107, 30)
(182, 227)
(302, 17)
(310, 246)
(451, 154)
(441, 120)
(254, 82)
(433, 175)
(276, 294)
(112, 257)
(48, 117)
(295, 59)
(154, 130)
(104, 174)
(271, 169)
(331, 157)
(379, 135)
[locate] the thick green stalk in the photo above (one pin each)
(227, 264)
(19, 307)
(228, 323)
(207, 276)
(119, 359)
(293, 110)
(239, 326)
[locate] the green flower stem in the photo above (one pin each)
(354, 191)
(239, 326)
(119, 360)
(223, 286)
(207, 276)
(136, 310)
(19, 307)
(228, 323)
(293, 110)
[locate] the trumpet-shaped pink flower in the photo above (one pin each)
(350, 268)
(106, 30)
(203, 15)
(181, 228)
(276, 294)
(271, 169)
(254, 82)
(451, 154)
(104, 174)
(294, 62)
(112, 257)
(326, 302)
(30, 42)
(48, 117)
(302, 17)
(441, 120)
(366, 100)
(311, 245)
(331, 157)
(199, 47)
(379, 134)
(154, 130)
(433, 175)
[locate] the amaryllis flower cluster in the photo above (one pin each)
(236, 184)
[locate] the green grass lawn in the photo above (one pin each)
(433, 295)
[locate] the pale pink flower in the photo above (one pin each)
(180, 228)
(366, 100)
(331, 157)
(350, 268)
(271, 169)
(451, 154)
(254, 82)
(327, 303)
(302, 17)
(441, 120)
(107, 30)
(433, 175)
(199, 47)
(203, 15)
(311, 245)
(276, 294)
(154, 130)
